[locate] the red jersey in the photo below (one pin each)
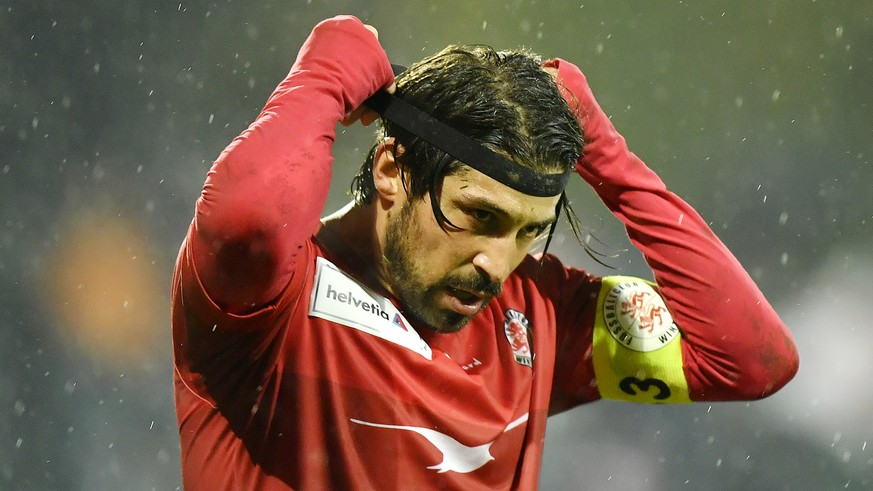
(294, 373)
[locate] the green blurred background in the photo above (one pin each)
(758, 113)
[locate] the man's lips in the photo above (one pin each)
(465, 302)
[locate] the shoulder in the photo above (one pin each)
(548, 273)
(547, 280)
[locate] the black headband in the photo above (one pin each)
(465, 149)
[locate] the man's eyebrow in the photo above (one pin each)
(544, 224)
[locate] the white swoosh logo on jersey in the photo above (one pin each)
(457, 457)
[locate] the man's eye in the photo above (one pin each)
(482, 215)
(533, 231)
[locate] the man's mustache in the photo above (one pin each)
(480, 284)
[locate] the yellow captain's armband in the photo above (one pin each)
(637, 346)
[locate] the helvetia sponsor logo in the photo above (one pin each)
(349, 298)
(339, 298)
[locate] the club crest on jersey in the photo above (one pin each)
(637, 318)
(517, 330)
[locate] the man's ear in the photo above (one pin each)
(387, 177)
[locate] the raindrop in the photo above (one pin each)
(783, 218)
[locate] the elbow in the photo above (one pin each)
(770, 369)
(776, 371)
(750, 373)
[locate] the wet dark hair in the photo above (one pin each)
(503, 99)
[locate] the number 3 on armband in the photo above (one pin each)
(630, 385)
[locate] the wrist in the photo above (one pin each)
(344, 51)
(602, 141)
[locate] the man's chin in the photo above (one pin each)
(446, 323)
(439, 319)
(452, 328)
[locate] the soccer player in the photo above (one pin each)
(410, 341)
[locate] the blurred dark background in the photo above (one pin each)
(758, 113)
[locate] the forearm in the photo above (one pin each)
(734, 344)
(264, 194)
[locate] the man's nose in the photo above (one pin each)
(496, 260)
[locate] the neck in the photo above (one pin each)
(352, 234)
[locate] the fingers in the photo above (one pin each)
(368, 117)
(551, 71)
(363, 114)
(352, 116)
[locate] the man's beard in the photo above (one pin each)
(404, 277)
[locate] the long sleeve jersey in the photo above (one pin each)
(294, 373)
